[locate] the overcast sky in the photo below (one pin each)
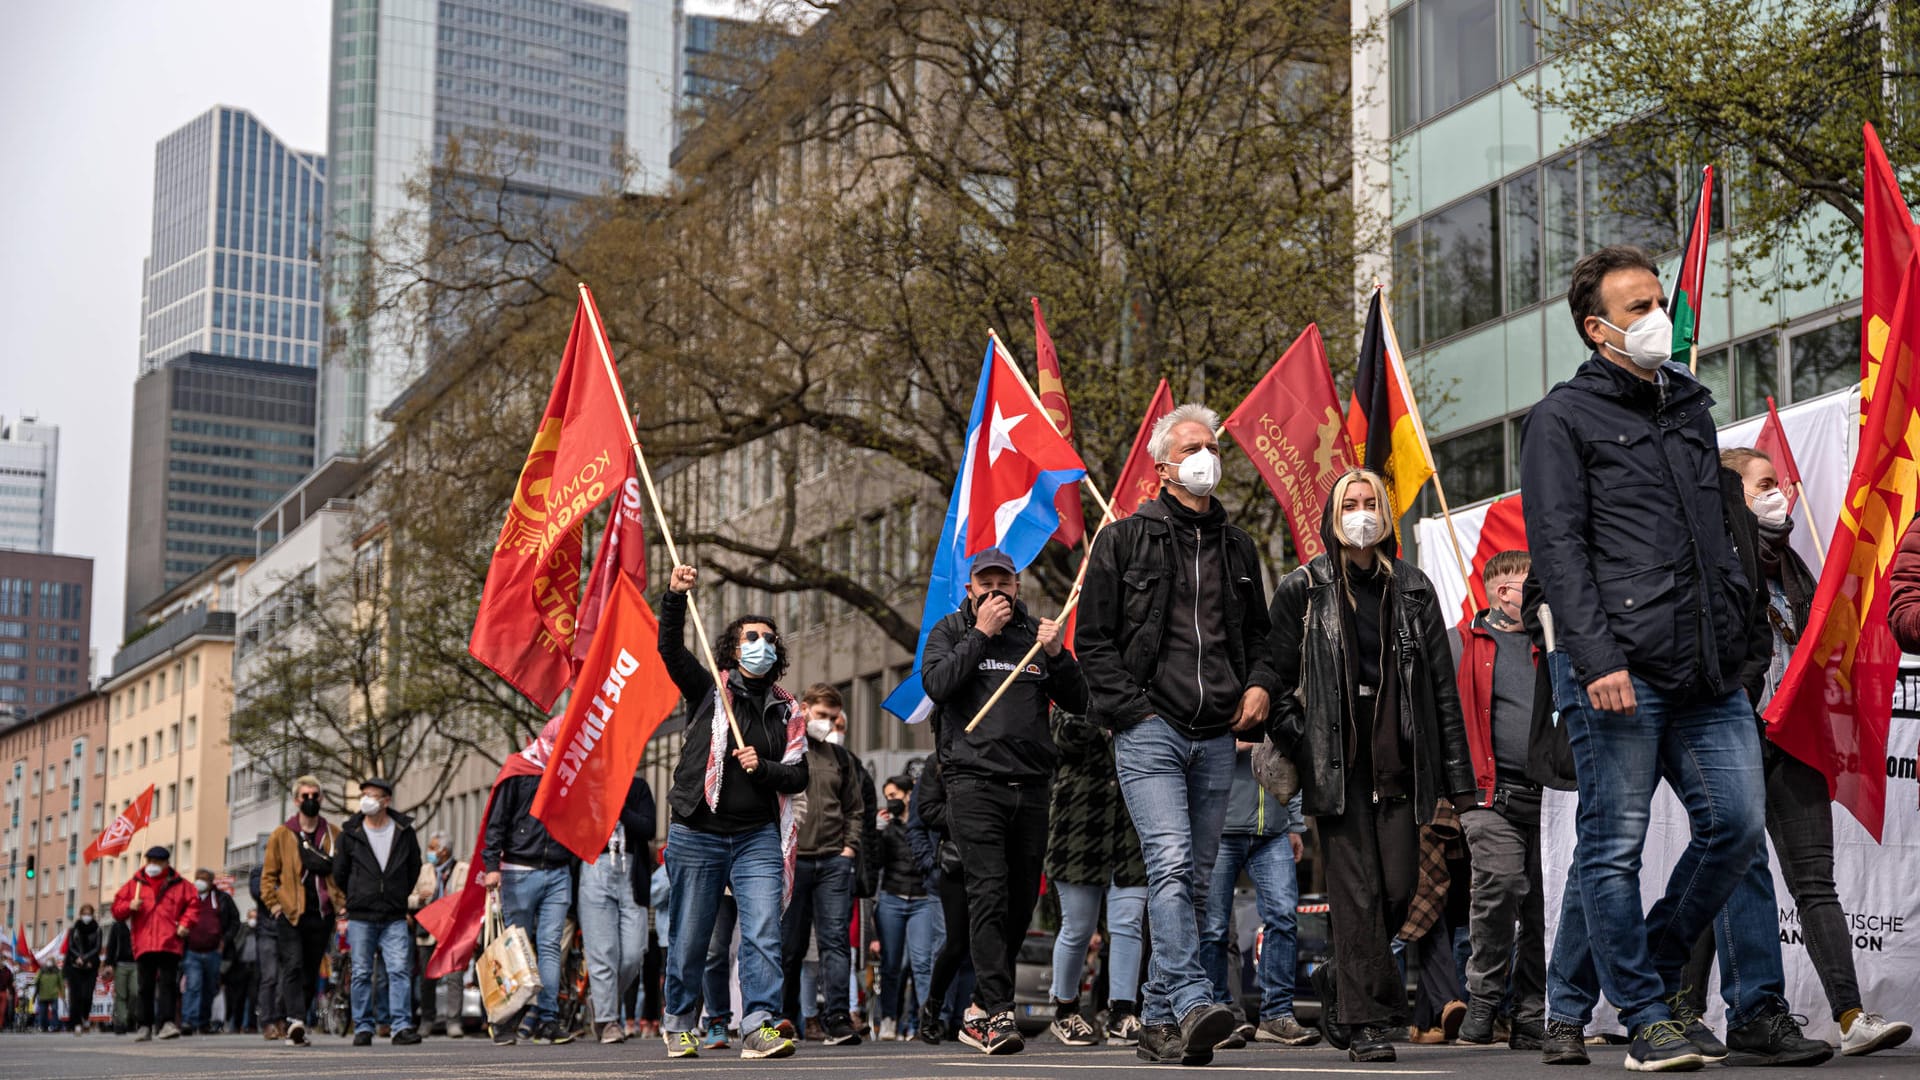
(86, 89)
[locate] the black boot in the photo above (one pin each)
(1775, 1039)
(1478, 1026)
(1331, 1028)
(1372, 1043)
(931, 1029)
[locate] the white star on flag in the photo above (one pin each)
(1000, 434)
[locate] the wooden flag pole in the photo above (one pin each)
(653, 496)
(1693, 358)
(1813, 530)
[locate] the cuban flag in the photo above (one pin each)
(1014, 463)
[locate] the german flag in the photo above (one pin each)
(1382, 419)
(1683, 304)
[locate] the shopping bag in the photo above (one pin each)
(508, 969)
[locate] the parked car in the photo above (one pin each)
(1033, 983)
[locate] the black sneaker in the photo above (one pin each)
(839, 1031)
(1662, 1046)
(1233, 1041)
(1122, 1028)
(363, 1038)
(1686, 1013)
(1526, 1035)
(551, 1034)
(1477, 1028)
(932, 1029)
(1563, 1044)
(1204, 1028)
(1160, 1044)
(1331, 1028)
(407, 1037)
(1373, 1042)
(1775, 1039)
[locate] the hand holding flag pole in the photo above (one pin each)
(653, 498)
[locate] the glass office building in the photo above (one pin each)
(573, 85)
(234, 267)
(29, 470)
(1492, 200)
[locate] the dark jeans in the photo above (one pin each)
(719, 977)
(239, 993)
(1505, 845)
(299, 948)
(1002, 833)
(954, 954)
(80, 995)
(159, 989)
(266, 998)
(1372, 861)
(823, 903)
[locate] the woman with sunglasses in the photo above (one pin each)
(734, 820)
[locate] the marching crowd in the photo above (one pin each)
(1196, 727)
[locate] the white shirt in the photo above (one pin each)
(381, 840)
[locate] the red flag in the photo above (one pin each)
(454, 920)
(1834, 705)
(622, 695)
(23, 957)
(1053, 396)
(1772, 442)
(581, 454)
(119, 833)
(1890, 236)
(1502, 528)
(623, 553)
(1017, 453)
(1139, 481)
(1289, 426)
(1689, 286)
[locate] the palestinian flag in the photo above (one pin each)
(1683, 304)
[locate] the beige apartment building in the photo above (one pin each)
(169, 701)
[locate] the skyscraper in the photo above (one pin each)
(46, 617)
(29, 460)
(235, 264)
(572, 84)
(217, 440)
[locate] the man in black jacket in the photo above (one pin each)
(534, 874)
(1651, 609)
(1173, 633)
(997, 774)
(375, 866)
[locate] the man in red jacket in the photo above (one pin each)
(160, 903)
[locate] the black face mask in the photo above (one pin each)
(310, 807)
(896, 809)
(986, 596)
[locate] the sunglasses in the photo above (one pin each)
(769, 637)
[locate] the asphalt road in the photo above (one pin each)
(218, 1057)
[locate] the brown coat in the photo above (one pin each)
(1903, 601)
(280, 876)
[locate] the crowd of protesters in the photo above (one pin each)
(1184, 744)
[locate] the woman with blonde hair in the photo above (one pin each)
(1367, 709)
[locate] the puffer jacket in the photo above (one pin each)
(1309, 722)
(1090, 834)
(166, 906)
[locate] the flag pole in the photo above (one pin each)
(1813, 530)
(1693, 357)
(1105, 507)
(653, 496)
(1420, 430)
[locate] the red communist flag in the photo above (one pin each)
(1139, 480)
(1053, 395)
(1834, 705)
(1502, 528)
(623, 553)
(138, 815)
(581, 454)
(621, 697)
(1290, 428)
(1772, 441)
(1889, 234)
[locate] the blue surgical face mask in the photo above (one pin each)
(758, 657)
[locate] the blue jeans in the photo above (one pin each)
(613, 932)
(393, 939)
(719, 979)
(1079, 914)
(1176, 789)
(202, 971)
(910, 933)
(1709, 753)
(1276, 888)
(537, 901)
(702, 865)
(822, 903)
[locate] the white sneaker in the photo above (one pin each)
(1871, 1032)
(297, 1033)
(889, 1030)
(170, 1031)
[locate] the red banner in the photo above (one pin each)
(138, 815)
(1889, 235)
(1053, 398)
(623, 553)
(1290, 427)
(1772, 441)
(622, 695)
(580, 455)
(1139, 482)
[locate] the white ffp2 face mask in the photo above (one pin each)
(1199, 473)
(1362, 527)
(1649, 340)
(1771, 508)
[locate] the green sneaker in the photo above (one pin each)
(768, 1042)
(682, 1044)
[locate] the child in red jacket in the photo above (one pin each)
(160, 903)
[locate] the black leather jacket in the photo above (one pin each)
(1309, 716)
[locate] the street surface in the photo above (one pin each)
(222, 1057)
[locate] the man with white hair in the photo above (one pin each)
(1173, 640)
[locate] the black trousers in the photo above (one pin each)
(159, 989)
(1372, 863)
(1001, 830)
(299, 947)
(953, 950)
(80, 995)
(266, 999)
